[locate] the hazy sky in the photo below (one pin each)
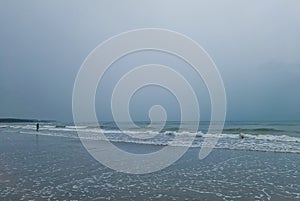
(255, 44)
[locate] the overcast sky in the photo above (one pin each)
(255, 45)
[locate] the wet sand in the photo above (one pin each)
(57, 168)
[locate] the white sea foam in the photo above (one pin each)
(242, 141)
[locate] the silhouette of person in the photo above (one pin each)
(37, 127)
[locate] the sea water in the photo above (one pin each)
(53, 165)
(256, 136)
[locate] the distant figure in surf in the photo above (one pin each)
(37, 127)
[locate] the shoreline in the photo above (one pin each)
(155, 145)
(43, 167)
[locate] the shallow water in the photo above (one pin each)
(281, 137)
(59, 168)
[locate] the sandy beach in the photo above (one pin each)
(59, 168)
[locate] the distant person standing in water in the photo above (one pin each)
(37, 127)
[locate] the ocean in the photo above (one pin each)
(255, 136)
(251, 161)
